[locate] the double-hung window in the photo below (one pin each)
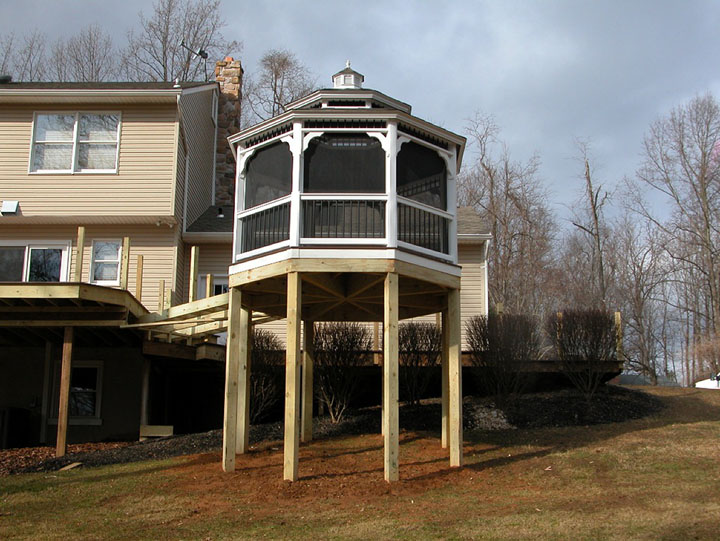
(75, 143)
(21, 262)
(106, 262)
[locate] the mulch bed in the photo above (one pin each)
(558, 408)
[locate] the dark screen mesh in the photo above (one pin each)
(421, 175)
(268, 175)
(344, 163)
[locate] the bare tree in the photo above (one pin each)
(682, 164)
(87, 56)
(6, 53)
(29, 62)
(511, 198)
(281, 79)
(590, 221)
(155, 53)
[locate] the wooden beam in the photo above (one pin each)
(194, 254)
(232, 367)
(189, 309)
(390, 379)
(65, 373)
(445, 360)
(79, 253)
(139, 278)
(326, 282)
(306, 428)
(292, 378)
(455, 436)
(243, 414)
(209, 289)
(125, 263)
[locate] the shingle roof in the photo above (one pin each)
(470, 222)
(208, 222)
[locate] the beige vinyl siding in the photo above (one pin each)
(199, 129)
(180, 186)
(472, 284)
(155, 244)
(143, 184)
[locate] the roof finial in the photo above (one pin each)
(347, 63)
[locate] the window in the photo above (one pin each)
(268, 175)
(85, 392)
(344, 163)
(21, 262)
(75, 143)
(219, 283)
(105, 262)
(421, 175)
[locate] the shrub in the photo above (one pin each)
(501, 344)
(340, 348)
(420, 349)
(584, 341)
(267, 357)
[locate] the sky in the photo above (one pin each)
(549, 72)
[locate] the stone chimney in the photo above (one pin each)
(228, 74)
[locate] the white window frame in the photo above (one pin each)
(64, 260)
(74, 170)
(116, 281)
(218, 280)
(95, 419)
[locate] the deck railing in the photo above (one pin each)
(343, 219)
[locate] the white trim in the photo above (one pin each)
(424, 207)
(74, 169)
(340, 241)
(264, 206)
(426, 251)
(258, 251)
(324, 253)
(391, 212)
(115, 282)
(371, 196)
(297, 151)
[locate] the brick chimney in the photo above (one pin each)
(228, 74)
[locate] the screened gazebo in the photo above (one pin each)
(345, 210)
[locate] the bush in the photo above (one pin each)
(420, 349)
(501, 344)
(340, 348)
(584, 340)
(267, 357)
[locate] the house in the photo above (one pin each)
(142, 177)
(120, 169)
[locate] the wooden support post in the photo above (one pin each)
(232, 367)
(391, 425)
(208, 286)
(455, 435)
(47, 378)
(376, 342)
(194, 254)
(618, 336)
(139, 278)
(445, 366)
(161, 296)
(65, 373)
(307, 382)
(144, 396)
(125, 263)
(292, 378)
(79, 252)
(243, 413)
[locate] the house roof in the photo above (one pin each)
(112, 92)
(470, 222)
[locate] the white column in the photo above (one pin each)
(452, 206)
(296, 148)
(391, 219)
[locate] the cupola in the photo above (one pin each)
(348, 78)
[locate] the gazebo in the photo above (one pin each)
(345, 210)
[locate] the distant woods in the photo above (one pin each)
(660, 268)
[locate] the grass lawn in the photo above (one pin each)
(654, 478)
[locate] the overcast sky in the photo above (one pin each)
(548, 71)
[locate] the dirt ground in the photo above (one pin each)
(558, 408)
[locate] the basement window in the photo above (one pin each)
(85, 392)
(75, 143)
